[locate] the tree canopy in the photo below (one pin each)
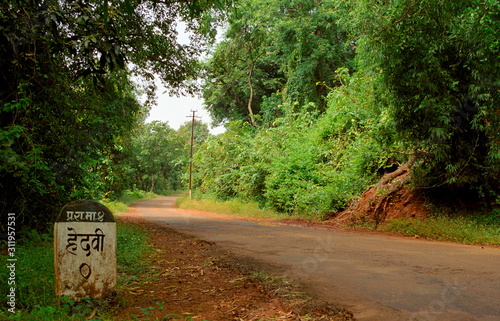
(321, 99)
(439, 61)
(343, 90)
(274, 53)
(65, 90)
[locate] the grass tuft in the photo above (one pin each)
(461, 229)
(132, 252)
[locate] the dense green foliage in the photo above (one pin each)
(148, 161)
(342, 91)
(68, 106)
(274, 52)
(305, 164)
(322, 98)
(154, 158)
(439, 61)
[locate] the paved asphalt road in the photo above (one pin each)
(378, 277)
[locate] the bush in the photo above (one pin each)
(308, 164)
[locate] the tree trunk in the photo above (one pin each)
(390, 195)
(250, 99)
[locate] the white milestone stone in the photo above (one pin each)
(85, 251)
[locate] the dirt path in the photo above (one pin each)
(378, 277)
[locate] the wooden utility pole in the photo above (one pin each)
(193, 116)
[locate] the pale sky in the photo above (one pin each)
(176, 110)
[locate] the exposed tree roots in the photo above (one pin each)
(390, 198)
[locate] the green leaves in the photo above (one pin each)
(66, 100)
(154, 158)
(274, 49)
(422, 83)
(304, 165)
(435, 58)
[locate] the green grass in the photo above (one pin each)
(232, 207)
(131, 256)
(35, 298)
(34, 271)
(481, 229)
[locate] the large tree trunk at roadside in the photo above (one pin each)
(391, 197)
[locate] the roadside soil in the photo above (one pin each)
(191, 279)
(391, 198)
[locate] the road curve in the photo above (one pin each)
(378, 277)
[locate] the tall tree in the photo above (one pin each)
(274, 52)
(439, 60)
(309, 46)
(239, 74)
(201, 132)
(152, 159)
(64, 100)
